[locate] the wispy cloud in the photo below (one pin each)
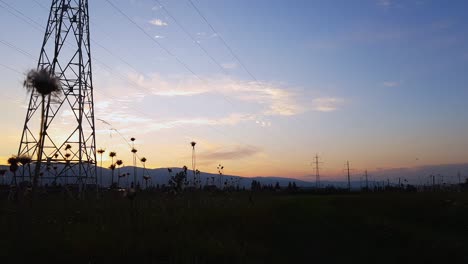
(263, 123)
(276, 100)
(391, 84)
(122, 113)
(363, 34)
(158, 22)
(384, 3)
(255, 102)
(230, 153)
(229, 65)
(230, 120)
(326, 104)
(441, 25)
(156, 7)
(204, 35)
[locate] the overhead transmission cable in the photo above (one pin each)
(224, 42)
(10, 68)
(212, 58)
(9, 10)
(98, 44)
(154, 40)
(192, 38)
(168, 51)
(108, 68)
(27, 20)
(23, 52)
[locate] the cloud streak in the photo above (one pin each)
(326, 104)
(229, 65)
(391, 84)
(276, 100)
(158, 22)
(256, 102)
(384, 3)
(230, 153)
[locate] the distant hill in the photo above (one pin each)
(417, 175)
(421, 175)
(161, 176)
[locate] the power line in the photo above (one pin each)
(349, 176)
(133, 68)
(20, 17)
(10, 68)
(224, 42)
(41, 5)
(154, 40)
(111, 127)
(94, 58)
(212, 58)
(21, 13)
(108, 68)
(192, 38)
(111, 71)
(181, 62)
(23, 52)
(121, 76)
(116, 56)
(103, 121)
(26, 19)
(161, 46)
(317, 171)
(99, 45)
(367, 180)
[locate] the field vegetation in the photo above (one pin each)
(237, 227)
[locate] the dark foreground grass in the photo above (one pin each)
(229, 228)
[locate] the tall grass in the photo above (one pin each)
(229, 228)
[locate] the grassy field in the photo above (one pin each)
(231, 228)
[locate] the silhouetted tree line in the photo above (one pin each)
(257, 186)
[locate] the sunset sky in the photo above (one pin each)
(381, 83)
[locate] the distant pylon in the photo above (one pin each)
(367, 181)
(69, 138)
(317, 172)
(349, 176)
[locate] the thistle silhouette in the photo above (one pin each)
(47, 86)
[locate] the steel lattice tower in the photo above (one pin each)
(69, 142)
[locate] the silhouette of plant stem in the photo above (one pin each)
(46, 85)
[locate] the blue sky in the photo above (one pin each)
(381, 83)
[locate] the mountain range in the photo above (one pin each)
(452, 173)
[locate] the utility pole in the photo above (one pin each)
(349, 176)
(367, 181)
(317, 172)
(459, 178)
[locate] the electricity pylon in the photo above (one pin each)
(349, 176)
(69, 138)
(367, 181)
(317, 171)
